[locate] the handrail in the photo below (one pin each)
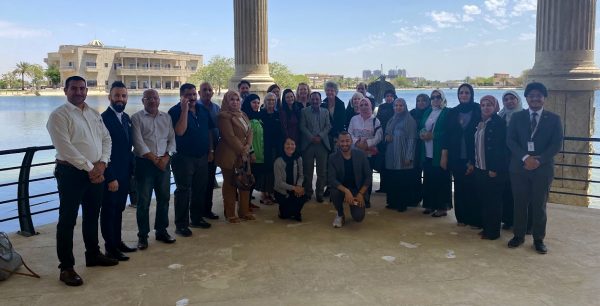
(23, 205)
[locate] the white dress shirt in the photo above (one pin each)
(79, 136)
(152, 134)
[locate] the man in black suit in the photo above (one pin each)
(349, 177)
(534, 137)
(118, 172)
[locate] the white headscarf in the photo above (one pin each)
(507, 113)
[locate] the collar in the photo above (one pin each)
(538, 112)
(148, 114)
(73, 107)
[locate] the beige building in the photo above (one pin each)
(139, 69)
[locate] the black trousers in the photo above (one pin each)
(530, 191)
(401, 195)
(337, 197)
(437, 187)
(111, 215)
(465, 207)
(289, 206)
(191, 178)
(489, 199)
(75, 188)
(210, 186)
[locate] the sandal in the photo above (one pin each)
(248, 218)
(234, 220)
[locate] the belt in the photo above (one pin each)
(65, 163)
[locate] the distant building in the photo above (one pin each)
(376, 73)
(366, 74)
(504, 79)
(392, 74)
(139, 69)
(401, 72)
(317, 80)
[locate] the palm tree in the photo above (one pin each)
(22, 69)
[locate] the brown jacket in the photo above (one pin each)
(233, 138)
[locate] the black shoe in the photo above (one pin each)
(515, 242)
(427, 211)
(211, 216)
(70, 277)
(183, 232)
(100, 260)
(540, 247)
(282, 217)
(142, 243)
(297, 218)
(166, 238)
(320, 198)
(118, 255)
(402, 209)
(439, 213)
(379, 191)
(125, 249)
(201, 224)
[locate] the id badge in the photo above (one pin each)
(530, 146)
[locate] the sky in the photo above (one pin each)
(435, 39)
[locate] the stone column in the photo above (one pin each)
(251, 45)
(564, 62)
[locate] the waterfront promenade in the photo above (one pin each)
(390, 259)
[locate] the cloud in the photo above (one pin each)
(494, 41)
(471, 10)
(496, 7)
(527, 36)
(410, 35)
(81, 24)
(523, 6)
(11, 30)
(498, 23)
(373, 40)
(444, 19)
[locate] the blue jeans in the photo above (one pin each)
(148, 178)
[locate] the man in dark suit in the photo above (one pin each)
(534, 137)
(349, 177)
(314, 128)
(118, 172)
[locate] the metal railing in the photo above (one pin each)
(24, 214)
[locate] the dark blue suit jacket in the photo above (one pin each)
(120, 166)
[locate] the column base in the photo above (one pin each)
(569, 199)
(260, 83)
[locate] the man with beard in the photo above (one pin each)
(193, 139)
(244, 88)
(349, 178)
(118, 172)
(83, 148)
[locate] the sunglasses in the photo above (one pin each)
(436, 97)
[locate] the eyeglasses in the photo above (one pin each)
(436, 97)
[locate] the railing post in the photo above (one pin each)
(25, 220)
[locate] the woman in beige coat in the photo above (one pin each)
(233, 148)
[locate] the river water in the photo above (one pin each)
(23, 120)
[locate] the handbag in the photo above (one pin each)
(242, 177)
(10, 260)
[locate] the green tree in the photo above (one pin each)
(36, 74)
(282, 75)
(9, 79)
(217, 72)
(22, 69)
(53, 75)
(403, 82)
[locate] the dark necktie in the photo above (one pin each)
(533, 122)
(125, 125)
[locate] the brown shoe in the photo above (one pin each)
(70, 277)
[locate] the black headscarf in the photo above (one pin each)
(417, 113)
(289, 165)
(247, 107)
(469, 106)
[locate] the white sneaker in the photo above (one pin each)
(338, 222)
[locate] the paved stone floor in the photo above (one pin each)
(390, 259)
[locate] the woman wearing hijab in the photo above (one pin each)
(423, 104)
(401, 137)
(366, 133)
(512, 104)
(458, 155)
(288, 182)
(491, 166)
(273, 144)
(251, 107)
(289, 116)
(233, 149)
(437, 183)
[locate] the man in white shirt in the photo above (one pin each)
(83, 148)
(153, 140)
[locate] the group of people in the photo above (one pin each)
(501, 160)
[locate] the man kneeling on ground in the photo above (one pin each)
(349, 178)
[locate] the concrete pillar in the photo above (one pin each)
(564, 62)
(251, 45)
